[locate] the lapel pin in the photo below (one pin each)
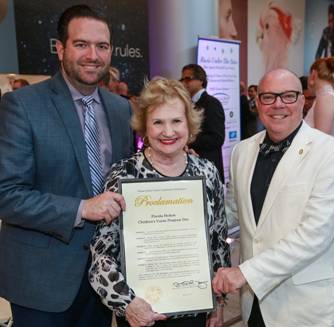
(301, 151)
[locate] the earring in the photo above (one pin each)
(145, 141)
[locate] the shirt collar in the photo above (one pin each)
(269, 147)
(289, 138)
(76, 95)
(197, 95)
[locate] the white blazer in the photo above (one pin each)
(288, 258)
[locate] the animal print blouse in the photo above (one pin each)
(105, 273)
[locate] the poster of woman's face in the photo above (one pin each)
(275, 36)
(227, 29)
(232, 25)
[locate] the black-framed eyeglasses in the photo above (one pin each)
(187, 79)
(287, 97)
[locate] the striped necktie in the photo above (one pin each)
(92, 141)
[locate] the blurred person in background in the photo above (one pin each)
(252, 93)
(123, 90)
(20, 82)
(104, 82)
(326, 43)
(308, 95)
(244, 109)
(321, 83)
(256, 124)
(210, 140)
(114, 79)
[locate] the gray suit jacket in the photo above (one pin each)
(44, 174)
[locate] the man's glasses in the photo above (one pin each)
(286, 97)
(187, 79)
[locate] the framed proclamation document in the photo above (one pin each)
(164, 242)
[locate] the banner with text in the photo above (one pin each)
(221, 61)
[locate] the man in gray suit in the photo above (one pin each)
(49, 205)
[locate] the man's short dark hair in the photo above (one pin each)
(22, 81)
(252, 86)
(198, 72)
(331, 9)
(303, 80)
(77, 11)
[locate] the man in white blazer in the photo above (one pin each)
(281, 193)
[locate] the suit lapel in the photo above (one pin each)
(201, 100)
(248, 170)
(64, 105)
(287, 166)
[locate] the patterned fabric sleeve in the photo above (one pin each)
(218, 227)
(105, 275)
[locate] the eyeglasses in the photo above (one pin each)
(286, 97)
(187, 79)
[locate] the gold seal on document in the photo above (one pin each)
(153, 294)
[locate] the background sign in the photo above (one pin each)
(317, 20)
(275, 37)
(221, 61)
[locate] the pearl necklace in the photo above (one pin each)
(153, 163)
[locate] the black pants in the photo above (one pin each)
(198, 321)
(87, 310)
(255, 319)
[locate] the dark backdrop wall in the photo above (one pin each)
(36, 24)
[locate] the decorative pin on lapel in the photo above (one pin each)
(301, 151)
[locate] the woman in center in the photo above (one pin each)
(168, 122)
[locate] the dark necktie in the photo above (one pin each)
(267, 148)
(92, 141)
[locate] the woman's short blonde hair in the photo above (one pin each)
(324, 68)
(160, 91)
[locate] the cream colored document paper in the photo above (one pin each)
(165, 244)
